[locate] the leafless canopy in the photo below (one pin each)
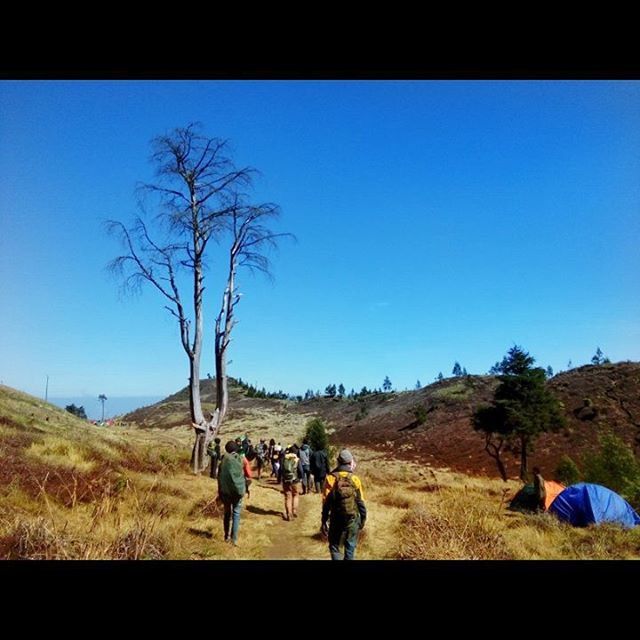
(199, 195)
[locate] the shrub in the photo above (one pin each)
(316, 434)
(567, 471)
(420, 414)
(615, 467)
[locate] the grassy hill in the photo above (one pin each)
(594, 398)
(173, 411)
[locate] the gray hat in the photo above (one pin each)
(345, 457)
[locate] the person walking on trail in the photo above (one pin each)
(319, 465)
(275, 461)
(261, 455)
(343, 507)
(246, 468)
(213, 450)
(539, 489)
(231, 490)
(305, 454)
(291, 476)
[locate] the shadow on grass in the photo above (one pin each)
(200, 533)
(262, 512)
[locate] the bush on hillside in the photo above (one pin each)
(615, 467)
(420, 414)
(316, 434)
(567, 471)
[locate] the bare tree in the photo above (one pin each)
(200, 196)
(250, 238)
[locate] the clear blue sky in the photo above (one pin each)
(436, 221)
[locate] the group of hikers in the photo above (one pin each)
(343, 509)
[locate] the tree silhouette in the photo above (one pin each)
(102, 399)
(522, 409)
(76, 411)
(200, 195)
(457, 370)
(386, 385)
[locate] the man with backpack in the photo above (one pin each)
(231, 490)
(343, 507)
(261, 455)
(291, 475)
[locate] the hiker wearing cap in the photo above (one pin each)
(343, 508)
(231, 490)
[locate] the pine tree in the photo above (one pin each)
(341, 390)
(457, 369)
(440, 377)
(418, 385)
(386, 385)
(522, 409)
(549, 372)
(330, 391)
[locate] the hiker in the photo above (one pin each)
(539, 489)
(282, 452)
(291, 475)
(261, 455)
(343, 506)
(304, 454)
(275, 461)
(231, 490)
(213, 450)
(319, 464)
(246, 468)
(272, 443)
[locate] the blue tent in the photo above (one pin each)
(584, 503)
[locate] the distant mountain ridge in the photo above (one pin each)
(114, 406)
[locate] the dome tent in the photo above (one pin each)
(585, 503)
(525, 499)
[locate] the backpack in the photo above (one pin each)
(344, 497)
(290, 469)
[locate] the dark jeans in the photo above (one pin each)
(343, 533)
(306, 478)
(232, 507)
(319, 482)
(214, 467)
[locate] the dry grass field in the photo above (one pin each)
(72, 490)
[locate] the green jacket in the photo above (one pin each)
(231, 477)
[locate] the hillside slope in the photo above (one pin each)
(594, 398)
(173, 411)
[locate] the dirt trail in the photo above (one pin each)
(297, 539)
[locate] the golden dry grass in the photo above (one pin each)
(71, 490)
